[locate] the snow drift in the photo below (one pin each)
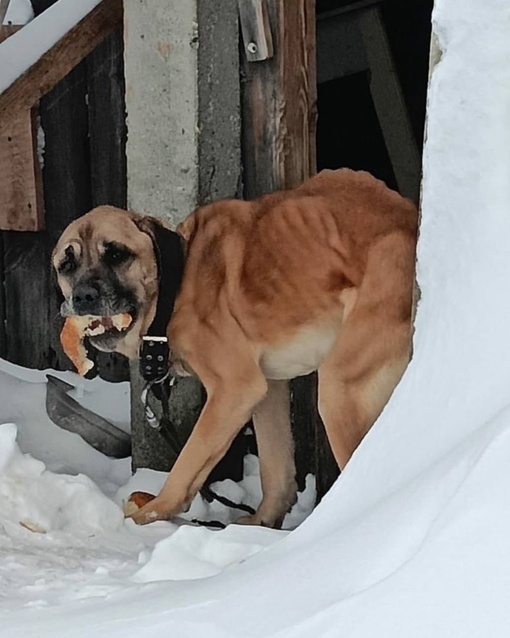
(413, 538)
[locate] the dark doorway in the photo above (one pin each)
(372, 71)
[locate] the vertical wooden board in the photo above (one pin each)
(107, 143)
(32, 302)
(279, 128)
(304, 424)
(390, 105)
(107, 122)
(66, 173)
(21, 198)
(279, 103)
(297, 108)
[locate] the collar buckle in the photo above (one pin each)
(154, 357)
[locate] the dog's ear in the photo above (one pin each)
(186, 228)
(168, 249)
(149, 225)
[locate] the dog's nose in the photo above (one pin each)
(85, 298)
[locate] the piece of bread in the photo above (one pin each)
(136, 501)
(76, 328)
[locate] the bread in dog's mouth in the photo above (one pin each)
(94, 326)
(78, 327)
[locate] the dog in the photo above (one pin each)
(318, 278)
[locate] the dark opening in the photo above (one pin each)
(357, 116)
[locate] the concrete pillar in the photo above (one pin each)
(183, 147)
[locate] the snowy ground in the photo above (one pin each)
(63, 537)
(413, 539)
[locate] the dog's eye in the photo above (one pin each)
(115, 254)
(69, 263)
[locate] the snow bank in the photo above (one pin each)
(197, 552)
(62, 540)
(19, 12)
(43, 501)
(412, 541)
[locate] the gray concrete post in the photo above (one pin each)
(183, 147)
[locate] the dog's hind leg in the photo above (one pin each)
(351, 400)
(372, 349)
(271, 421)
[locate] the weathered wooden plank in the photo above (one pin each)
(390, 105)
(256, 30)
(32, 303)
(107, 126)
(279, 103)
(21, 197)
(6, 30)
(60, 59)
(279, 113)
(107, 143)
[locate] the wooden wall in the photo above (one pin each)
(82, 121)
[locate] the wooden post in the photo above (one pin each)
(183, 107)
(390, 105)
(279, 103)
(279, 127)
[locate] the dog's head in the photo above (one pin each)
(106, 264)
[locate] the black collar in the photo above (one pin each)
(154, 352)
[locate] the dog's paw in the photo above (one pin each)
(258, 519)
(135, 502)
(145, 508)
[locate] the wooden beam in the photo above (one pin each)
(279, 103)
(390, 105)
(59, 60)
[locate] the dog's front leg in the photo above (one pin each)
(229, 406)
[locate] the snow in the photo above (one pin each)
(63, 537)
(19, 12)
(23, 49)
(412, 540)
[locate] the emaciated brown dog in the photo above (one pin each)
(315, 278)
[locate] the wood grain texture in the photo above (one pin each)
(6, 30)
(279, 103)
(256, 30)
(60, 59)
(107, 148)
(279, 128)
(32, 303)
(21, 197)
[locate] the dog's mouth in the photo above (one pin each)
(105, 332)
